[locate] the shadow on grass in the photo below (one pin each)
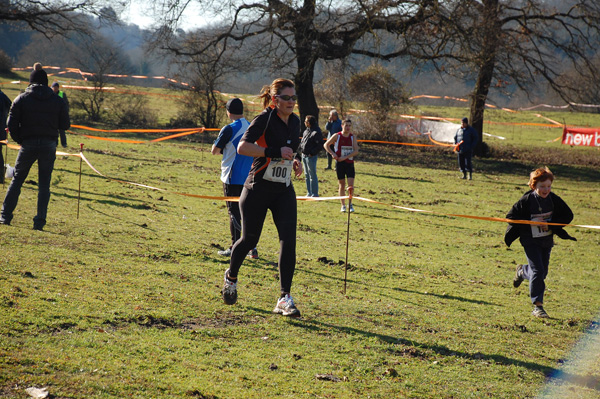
(360, 283)
(445, 296)
(395, 177)
(112, 216)
(316, 326)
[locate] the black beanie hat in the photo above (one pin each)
(38, 75)
(235, 106)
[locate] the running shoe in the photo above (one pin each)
(286, 307)
(351, 208)
(343, 208)
(253, 254)
(538, 311)
(518, 276)
(229, 290)
(226, 252)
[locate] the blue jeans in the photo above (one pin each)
(536, 270)
(42, 150)
(310, 172)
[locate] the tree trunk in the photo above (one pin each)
(307, 103)
(478, 100)
(491, 26)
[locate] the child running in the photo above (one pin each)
(344, 149)
(539, 205)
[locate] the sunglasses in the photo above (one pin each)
(285, 97)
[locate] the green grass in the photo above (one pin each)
(125, 302)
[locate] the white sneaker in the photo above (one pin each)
(226, 252)
(229, 290)
(286, 307)
(351, 208)
(343, 208)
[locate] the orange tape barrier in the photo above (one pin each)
(84, 76)
(440, 143)
(235, 199)
(490, 219)
(182, 132)
(138, 130)
(396, 143)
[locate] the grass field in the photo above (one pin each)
(125, 301)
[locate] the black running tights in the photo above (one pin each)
(253, 206)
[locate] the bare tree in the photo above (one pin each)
(53, 18)
(333, 87)
(206, 72)
(508, 44)
(101, 57)
(297, 34)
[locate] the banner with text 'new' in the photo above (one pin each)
(581, 136)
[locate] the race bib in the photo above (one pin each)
(347, 150)
(538, 231)
(279, 172)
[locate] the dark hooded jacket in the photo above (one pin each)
(38, 112)
(312, 141)
(521, 210)
(4, 107)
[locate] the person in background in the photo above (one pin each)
(4, 108)
(538, 205)
(333, 126)
(272, 139)
(343, 148)
(63, 95)
(466, 140)
(234, 167)
(34, 120)
(310, 146)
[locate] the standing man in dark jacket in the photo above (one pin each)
(333, 126)
(465, 139)
(4, 108)
(311, 144)
(34, 120)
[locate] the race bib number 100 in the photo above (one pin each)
(279, 172)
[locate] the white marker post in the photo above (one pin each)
(80, 167)
(350, 192)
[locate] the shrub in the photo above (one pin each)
(132, 110)
(6, 62)
(381, 94)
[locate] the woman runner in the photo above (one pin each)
(272, 139)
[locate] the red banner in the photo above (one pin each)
(581, 136)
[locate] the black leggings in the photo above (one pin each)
(233, 190)
(253, 206)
